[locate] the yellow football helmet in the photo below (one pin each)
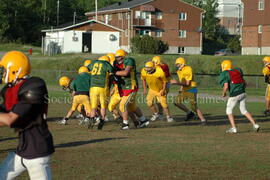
(266, 61)
(112, 57)
(226, 65)
(64, 81)
(83, 69)
(104, 58)
(120, 53)
(16, 65)
(180, 63)
(87, 62)
(156, 60)
(149, 67)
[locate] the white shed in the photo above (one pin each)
(89, 36)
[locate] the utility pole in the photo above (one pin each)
(45, 8)
(96, 10)
(58, 4)
(74, 18)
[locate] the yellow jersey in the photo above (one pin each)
(154, 81)
(184, 75)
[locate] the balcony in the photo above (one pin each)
(144, 23)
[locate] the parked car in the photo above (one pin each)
(224, 52)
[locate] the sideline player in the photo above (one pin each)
(128, 90)
(188, 90)
(266, 73)
(156, 80)
(24, 109)
(101, 70)
(80, 86)
(231, 79)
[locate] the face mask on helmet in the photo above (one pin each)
(2, 75)
(179, 66)
(149, 70)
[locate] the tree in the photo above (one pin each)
(147, 45)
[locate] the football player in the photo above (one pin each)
(24, 109)
(101, 70)
(156, 80)
(80, 86)
(128, 89)
(231, 79)
(188, 90)
(166, 70)
(65, 82)
(266, 73)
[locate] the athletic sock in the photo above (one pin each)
(125, 121)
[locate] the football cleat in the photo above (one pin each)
(125, 126)
(256, 127)
(101, 124)
(62, 122)
(231, 131)
(189, 116)
(144, 123)
(154, 117)
(170, 119)
(79, 116)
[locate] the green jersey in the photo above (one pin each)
(81, 83)
(130, 81)
(100, 72)
(234, 89)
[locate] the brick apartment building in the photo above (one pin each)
(256, 27)
(175, 22)
(230, 13)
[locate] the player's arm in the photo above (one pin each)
(164, 81)
(125, 72)
(6, 119)
(225, 89)
(175, 82)
(144, 86)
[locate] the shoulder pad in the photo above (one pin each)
(33, 91)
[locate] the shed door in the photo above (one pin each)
(86, 42)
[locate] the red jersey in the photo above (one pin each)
(165, 69)
(11, 96)
(124, 92)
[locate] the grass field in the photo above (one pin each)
(164, 150)
(179, 150)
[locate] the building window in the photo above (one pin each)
(183, 16)
(126, 32)
(181, 50)
(109, 17)
(159, 15)
(120, 15)
(144, 32)
(260, 29)
(182, 33)
(103, 18)
(158, 33)
(261, 5)
(137, 14)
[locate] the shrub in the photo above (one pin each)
(148, 45)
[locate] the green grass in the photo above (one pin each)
(200, 63)
(177, 150)
(19, 47)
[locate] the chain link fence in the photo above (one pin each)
(203, 80)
